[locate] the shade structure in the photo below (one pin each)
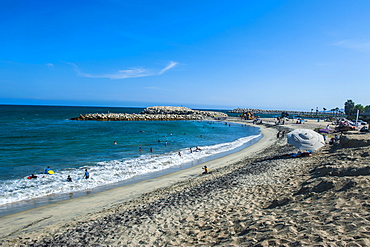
(324, 131)
(306, 139)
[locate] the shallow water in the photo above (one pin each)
(35, 137)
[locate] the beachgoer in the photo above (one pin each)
(87, 175)
(151, 149)
(180, 154)
(283, 133)
(32, 176)
(140, 149)
(278, 134)
(205, 168)
(197, 149)
(47, 170)
(115, 143)
(69, 179)
(191, 150)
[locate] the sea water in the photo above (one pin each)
(36, 137)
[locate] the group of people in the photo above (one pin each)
(49, 171)
(86, 176)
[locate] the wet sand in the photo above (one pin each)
(256, 197)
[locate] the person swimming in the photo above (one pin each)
(32, 176)
(69, 179)
(47, 170)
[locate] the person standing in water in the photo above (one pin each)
(87, 175)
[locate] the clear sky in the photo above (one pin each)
(269, 54)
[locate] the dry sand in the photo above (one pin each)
(256, 197)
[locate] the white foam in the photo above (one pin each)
(108, 172)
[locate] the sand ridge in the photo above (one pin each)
(260, 199)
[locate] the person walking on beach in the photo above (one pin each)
(87, 175)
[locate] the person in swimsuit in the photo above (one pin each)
(87, 175)
(47, 170)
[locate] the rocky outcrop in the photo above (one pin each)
(155, 113)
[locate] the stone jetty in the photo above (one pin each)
(155, 113)
(261, 111)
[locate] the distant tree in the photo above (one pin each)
(336, 110)
(359, 108)
(349, 106)
(367, 107)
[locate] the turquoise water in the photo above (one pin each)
(35, 137)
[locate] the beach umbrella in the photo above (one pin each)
(324, 131)
(306, 139)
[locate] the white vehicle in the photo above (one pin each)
(362, 122)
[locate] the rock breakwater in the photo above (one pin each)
(273, 112)
(155, 113)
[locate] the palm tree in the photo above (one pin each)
(337, 110)
(333, 110)
(349, 106)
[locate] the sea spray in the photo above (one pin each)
(108, 172)
(35, 137)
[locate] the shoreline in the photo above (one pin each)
(257, 197)
(16, 207)
(60, 212)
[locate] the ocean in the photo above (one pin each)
(36, 137)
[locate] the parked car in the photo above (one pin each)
(362, 122)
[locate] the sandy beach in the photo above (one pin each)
(256, 197)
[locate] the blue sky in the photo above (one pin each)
(294, 55)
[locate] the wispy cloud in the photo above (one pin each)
(127, 73)
(170, 66)
(50, 65)
(352, 44)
